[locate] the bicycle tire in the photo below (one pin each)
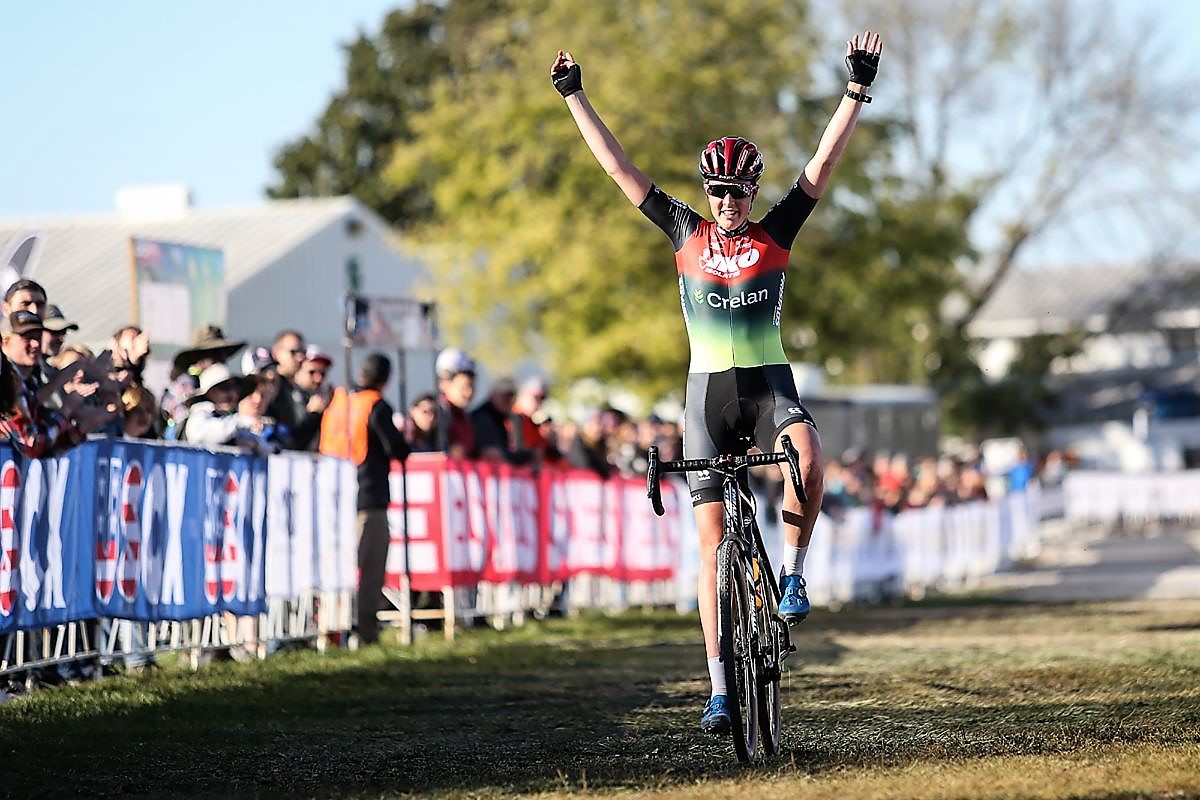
(737, 647)
(770, 707)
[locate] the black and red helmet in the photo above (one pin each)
(731, 158)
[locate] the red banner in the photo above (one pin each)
(470, 522)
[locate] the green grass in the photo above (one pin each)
(932, 700)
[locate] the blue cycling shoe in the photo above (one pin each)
(793, 604)
(716, 716)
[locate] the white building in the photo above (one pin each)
(286, 265)
(1140, 317)
(1131, 398)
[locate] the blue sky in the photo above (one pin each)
(102, 95)
(97, 96)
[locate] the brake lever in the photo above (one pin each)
(652, 490)
(793, 459)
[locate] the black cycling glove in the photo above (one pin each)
(863, 67)
(568, 81)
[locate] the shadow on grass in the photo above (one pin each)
(500, 714)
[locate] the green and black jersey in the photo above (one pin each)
(731, 283)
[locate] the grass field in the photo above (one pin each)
(936, 700)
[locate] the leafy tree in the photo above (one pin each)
(388, 81)
(538, 252)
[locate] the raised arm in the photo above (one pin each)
(862, 59)
(604, 146)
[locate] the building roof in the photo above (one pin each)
(85, 256)
(1143, 297)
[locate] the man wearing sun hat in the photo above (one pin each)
(209, 346)
(213, 417)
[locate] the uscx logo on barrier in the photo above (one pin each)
(222, 535)
(118, 528)
(107, 532)
(10, 485)
(129, 568)
(231, 528)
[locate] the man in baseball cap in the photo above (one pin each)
(452, 361)
(56, 321)
(57, 326)
(456, 386)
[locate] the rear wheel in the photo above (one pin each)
(736, 640)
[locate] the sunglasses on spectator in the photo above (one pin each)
(722, 189)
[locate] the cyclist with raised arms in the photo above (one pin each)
(731, 275)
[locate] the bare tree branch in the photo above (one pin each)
(1070, 99)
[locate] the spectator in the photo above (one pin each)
(71, 354)
(647, 436)
(260, 432)
(456, 383)
(1054, 469)
(209, 347)
(588, 450)
(141, 413)
(1022, 472)
(34, 430)
(972, 485)
(527, 421)
(23, 347)
(420, 427)
(260, 360)
(57, 328)
(313, 391)
(358, 425)
(289, 352)
(623, 452)
(493, 423)
(24, 295)
(890, 493)
(213, 418)
(926, 487)
(836, 499)
(130, 348)
(112, 380)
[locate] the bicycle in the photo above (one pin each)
(753, 639)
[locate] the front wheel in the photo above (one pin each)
(770, 710)
(737, 647)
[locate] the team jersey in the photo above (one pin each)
(731, 284)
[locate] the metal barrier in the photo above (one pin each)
(1123, 501)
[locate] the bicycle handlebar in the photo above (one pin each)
(724, 464)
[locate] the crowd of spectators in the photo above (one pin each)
(54, 393)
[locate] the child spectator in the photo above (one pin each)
(141, 413)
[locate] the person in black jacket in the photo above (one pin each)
(358, 425)
(493, 421)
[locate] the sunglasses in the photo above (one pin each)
(721, 189)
